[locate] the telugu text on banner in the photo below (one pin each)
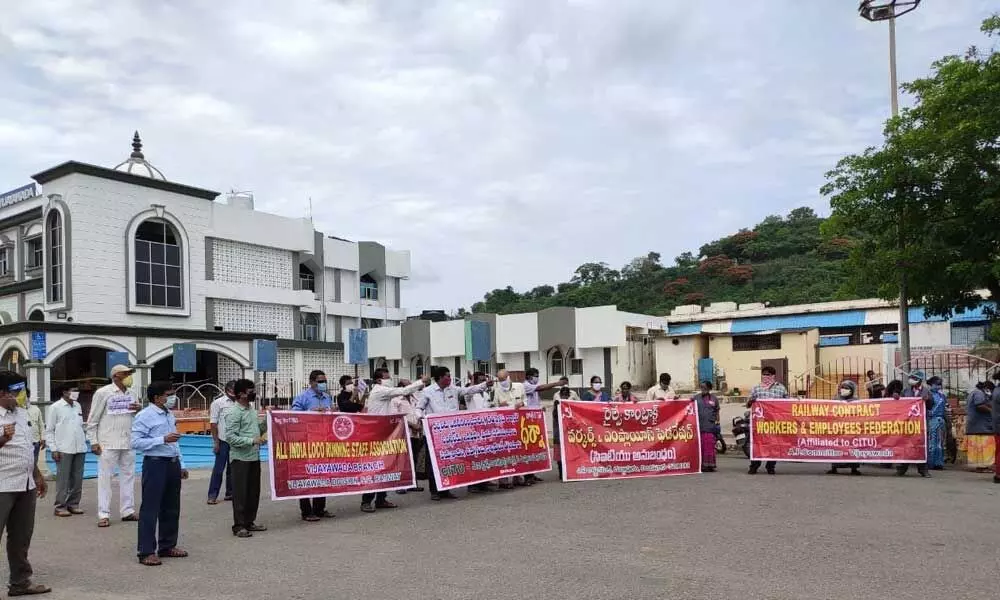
(335, 454)
(612, 440)
(471, 447)
(864, 431)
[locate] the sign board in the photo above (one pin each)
(185, 358)
(19, 195)
(357, 347)
(265, 356)
(38, 349)
(116, 358)
(478, 345)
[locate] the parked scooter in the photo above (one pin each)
(741, 431)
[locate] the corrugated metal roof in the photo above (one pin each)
(971, 315)
(683, 328)
(846, 318)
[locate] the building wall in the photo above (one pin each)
(680, 359)
(742, 369)
(9, 304)
(448, 338)
(385, 342)
(249, 264)
(931, 334)
(599, 327)
(517, 333)
(253, 317)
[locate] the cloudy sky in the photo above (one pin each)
(503, 142)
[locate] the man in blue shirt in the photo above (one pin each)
(154, 433)
(314, 398)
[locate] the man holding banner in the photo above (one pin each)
(768, 389)
(317, 399)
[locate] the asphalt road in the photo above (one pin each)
(797, 535)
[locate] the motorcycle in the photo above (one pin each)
(741, 431)
(720, 442)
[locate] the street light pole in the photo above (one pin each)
(890, 10)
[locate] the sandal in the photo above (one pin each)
(311, 519)
(212, 501)
(62, 512)
(130, 518)
(173, 553)
(242, 533)
(32, 589)
(104, 522)
(150, 560)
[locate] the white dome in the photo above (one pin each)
(137, 163)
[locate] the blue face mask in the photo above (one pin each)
(321, 386)
(532, 380)
(936, 387)
(171, 402)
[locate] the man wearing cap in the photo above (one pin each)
(109, 431)
(21, 483)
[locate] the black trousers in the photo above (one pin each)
(373, 497)
(17, 518)
(312, 507)
(903, 468)
(161, 505)
(246, 492)
(755, 464)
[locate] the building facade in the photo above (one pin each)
(123, 260)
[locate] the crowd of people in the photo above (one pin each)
(118, 426)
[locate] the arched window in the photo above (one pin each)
(36, 315)
(158, 265)
(369, 288)
(556, 362)
(55, 235)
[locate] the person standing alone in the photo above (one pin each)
(67, 440)
(244, 432)
(109, 430)
(220, 447)
(154, 433)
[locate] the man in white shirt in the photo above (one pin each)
(508, 394)
(662, 390)
(380, 403)
(441, 397)
(21, 484)
(533, 399)
(36, 420)
(479, 401)
(67, 439)
(109, 430)
(217, 424)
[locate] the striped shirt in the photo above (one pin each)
(17, 456)
(111, 431)
(776, 391)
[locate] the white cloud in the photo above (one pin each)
(503, 142)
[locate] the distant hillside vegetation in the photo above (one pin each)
(781, 261)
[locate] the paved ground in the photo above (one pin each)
(797, 535)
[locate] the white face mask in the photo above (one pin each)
(597, 386)
(74, 396)
(386, 382)
(845, 392)
(505, 384)
(914, 381)
(349, 388)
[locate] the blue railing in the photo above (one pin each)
(197, 451)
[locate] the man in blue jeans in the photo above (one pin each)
(217, 423)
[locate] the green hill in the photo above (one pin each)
(782, 260)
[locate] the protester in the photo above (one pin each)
(349, 398)
(708, 420)
(406, 406)
(625, 394)
(316, 399)
(379, 402)
(893, 390)
(596, 393)
(847, 392)
(995, 409)
(980, 446)
(154, 433)
(67, 440)
(244, 432)
(36, 420)
(937, 423)
(564, 393)
(768, 389)
(662, 390)
(480, 400)
(442, 397)
(874, 385)
(508, 394)
(220, 447)
(109, 431)
(533, 399)
(21, 484)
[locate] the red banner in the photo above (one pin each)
(335, 454)
(471, 447)
(864, 431)
(621, 440)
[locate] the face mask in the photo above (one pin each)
(251, 397)
(845, 393)
(127, 382)
(445, 382)
(74, 396)
(913, 381)
(533, 380)
(321, 386)
(387, 382)
(22, 399)
(936, 387)
(505, 384)
(597, 386)
(767, 380)
(170, 403)
(349, 388)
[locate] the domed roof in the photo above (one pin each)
(137, 163)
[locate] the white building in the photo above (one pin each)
(123, 260)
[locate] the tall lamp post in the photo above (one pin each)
(890, 10)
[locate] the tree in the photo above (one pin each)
(928, 200)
